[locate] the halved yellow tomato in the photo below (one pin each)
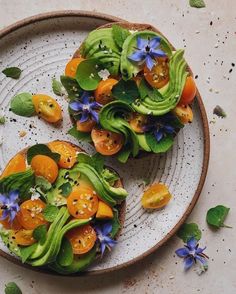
(72, 65)
(184, 113)
(7, 224)
(86, 126)
(24, 237)
(189, 91)
(15, 165)
(103, 92)
(45, 166)
(138, 122)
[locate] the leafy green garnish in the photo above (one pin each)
(57, 88)
(50, 212)
(72, 87)
(87, 74)
(119, 35)
(216, 216)
(22, 105)
(12, 72)
(126, 91)
(41, 149)
(65, 189)
(197, 3)
(109, 176)
(187, 231)
(161, 146)
(12, 288)
(96, 160)
(115, 223)
(25, 252)
(2, 120)
(219, 111)
(145, 90)
(80, 136)
(40, 233)
(42, 183)
(65, 256)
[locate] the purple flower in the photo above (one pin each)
(86, 108)
(102, 233)
(162, 130)
(192, 253)
(9, 205)
(147, 51)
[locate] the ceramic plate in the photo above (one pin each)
(41, 46)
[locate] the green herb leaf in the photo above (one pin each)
(80, 136)
(12, 72)
(50, 212)
(96, 160)
(40, 234)
(72, 87)
(25, 252)
(2, 120)
(65, 189)
(115, 223)
(43, 150)
(159, 147)
(126, 91)
(197, 3)
(22, 105)
(219, 111)
(216, 216)
(12, 288)
(43, 184)
(119, 35)
(87, 74)
(65, 256)
(187, 231)
(57, 88)
(145, 90)
(109, 176)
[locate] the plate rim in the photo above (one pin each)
(206, 141)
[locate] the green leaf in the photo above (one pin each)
(87, 74)
(124, 154)
(65, 189)
(115, 223)
(50, 212)
(119, 35)
(25, 252)
(12, 288)
(57, 88)
(216, 216)
(159, 147)
(187, 231)
(2, 120)
(219, 111)
(41, 149)
(22, 105)
(197, 3)
(72, 87)
(109, 176)
(12, 72)
(43, 184)
(40, 234)
(80, 136)
(145, 90)
(65, 256)
(96, 160)
(126, 91)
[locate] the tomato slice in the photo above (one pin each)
(158, 77)
(189, 92)
(82, 239)
(107, 142)
(67, 151)
(45, 166)
(82, 203)
(24, 237)
(47, 108)
(85, 127)
(103, 93)
(7, 224)
(30, 215)
(157, 196)
(15, 165)
(138, 122)
(184, 113)
(72, 65)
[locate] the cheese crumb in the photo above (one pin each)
(104, 74)
(22, 134)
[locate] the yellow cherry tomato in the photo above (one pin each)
(184, 113)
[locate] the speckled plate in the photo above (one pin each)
(41, 46)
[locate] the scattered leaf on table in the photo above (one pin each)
(12, 72)
(197, 3)
(187, 231)
(218, 110)
(216, 216)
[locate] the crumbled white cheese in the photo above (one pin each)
(104, 74)
(34, 194)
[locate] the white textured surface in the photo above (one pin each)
(159, 272)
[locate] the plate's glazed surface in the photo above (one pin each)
(41, 47)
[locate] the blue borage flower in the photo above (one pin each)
(86, 108)
(103, 232)
(192, 253)
(9, 205)
(147, 51)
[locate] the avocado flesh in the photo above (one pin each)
(10, 243)
(129, 68)
(110, 119)
(143, 142)
(171, 94)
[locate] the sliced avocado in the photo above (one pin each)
(79, 263)
(171, 93)
(9, 241)
(129, 68)
(143, 143)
